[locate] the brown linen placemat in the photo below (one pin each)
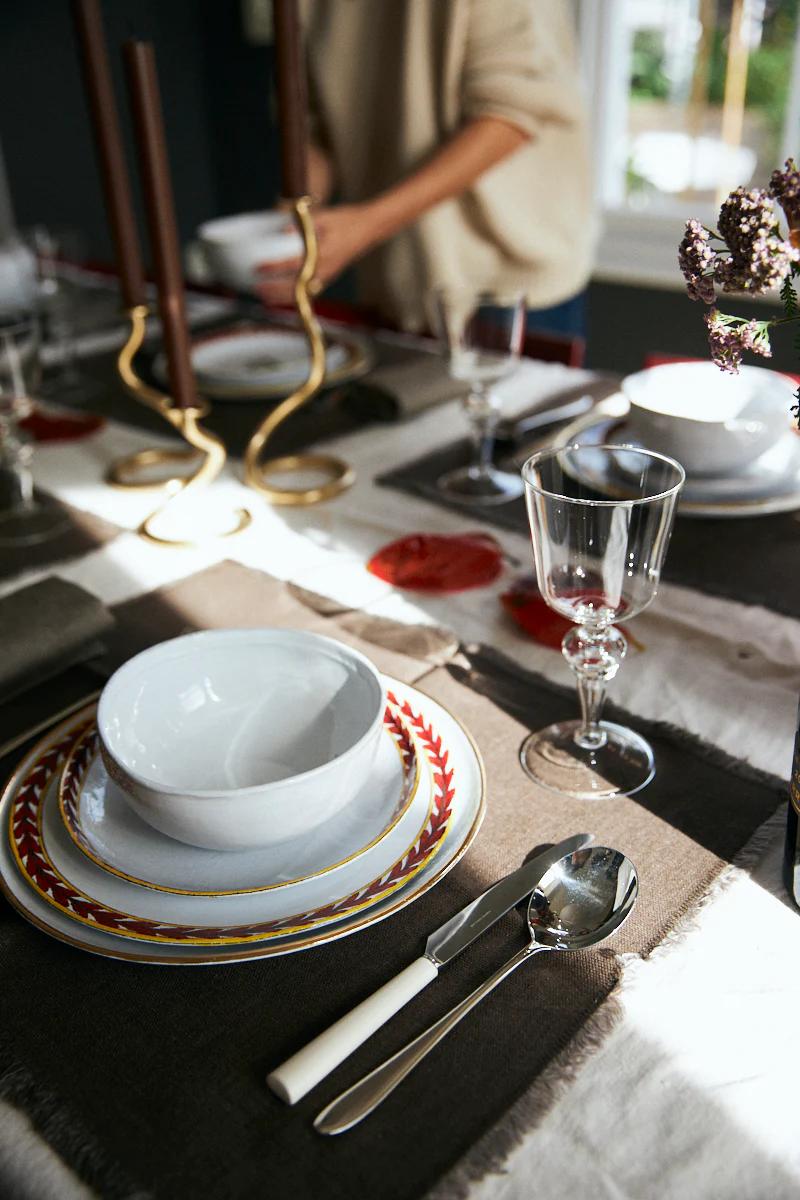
(166, 1067)
(755, 560)
(83, 533)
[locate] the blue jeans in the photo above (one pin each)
(568, 317)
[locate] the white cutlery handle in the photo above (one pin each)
(304, 1070)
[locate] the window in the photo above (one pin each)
(690, 99)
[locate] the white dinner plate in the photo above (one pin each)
(103, 826)
(260, 363)
(770, 484)
(39, 869)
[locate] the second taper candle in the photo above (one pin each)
(142, 79)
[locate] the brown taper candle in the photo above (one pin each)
(140, 68)
(113, 168)
(290, 69)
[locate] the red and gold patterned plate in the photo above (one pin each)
(104, 827)
(43, 874)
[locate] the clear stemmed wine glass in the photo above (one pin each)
(483, 333)
(24, 519)
(601, 519)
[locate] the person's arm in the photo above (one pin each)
(346, 232)
(320, 174)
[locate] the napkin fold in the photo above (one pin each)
(46, 628)
(403, 389)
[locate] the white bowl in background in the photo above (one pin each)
(712, 422)
(232, 739)
(234, 246)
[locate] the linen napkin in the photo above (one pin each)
(403, 389)
(46, 628)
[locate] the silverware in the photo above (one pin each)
(20, 739)
(514, 431)
(304, 1070)
(579, 901)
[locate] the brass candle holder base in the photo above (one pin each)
(204, 455)
(212, 450)
(257, 470)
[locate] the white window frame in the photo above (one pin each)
(638, 247)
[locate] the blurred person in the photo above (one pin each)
(452, 134)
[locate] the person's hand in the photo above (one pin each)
(344, 233)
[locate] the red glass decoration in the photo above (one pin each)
(525, 606)
(44, 426)
(434, 562)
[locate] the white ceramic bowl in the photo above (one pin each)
(713, 423)
(232, 739)
(234, 246)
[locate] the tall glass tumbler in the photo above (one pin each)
(24, 518)
(601, 519)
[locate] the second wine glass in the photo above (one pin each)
(601, 519)
(483, 333)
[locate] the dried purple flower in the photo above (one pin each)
(785, 187)
(759, 257)
(697, 260)
(729, 337)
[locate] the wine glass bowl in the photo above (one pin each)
(483, 333)
(599, 556)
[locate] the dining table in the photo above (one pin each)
(663, 1064)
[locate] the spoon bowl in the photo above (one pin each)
(582, 899)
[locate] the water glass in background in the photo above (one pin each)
(24, 518)
(483, 333)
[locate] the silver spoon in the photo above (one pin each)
(579, 901)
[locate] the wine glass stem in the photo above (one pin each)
(595, 654)
(483, 420)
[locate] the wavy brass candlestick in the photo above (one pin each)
(205, 450)
(131, 473)
(256, 470)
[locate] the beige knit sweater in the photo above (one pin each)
(392, 80)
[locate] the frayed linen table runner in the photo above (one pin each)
(164, 1068)
(754, 560)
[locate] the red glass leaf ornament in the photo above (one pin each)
(46, 426)
(433, 562)
(525, 606)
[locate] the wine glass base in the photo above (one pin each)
(621, 766)
(469, 485)
(31, 525)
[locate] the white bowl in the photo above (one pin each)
(232, 739)
(713, 423)
(234, 246)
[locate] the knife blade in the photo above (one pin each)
(304, 1070)
(456, 934)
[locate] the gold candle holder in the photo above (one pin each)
(256, 469)
(205, 452)
(132, 473)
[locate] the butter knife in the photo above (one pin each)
(305, 1069)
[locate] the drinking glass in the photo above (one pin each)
(483, 333)
(601, 519)
(24, 519)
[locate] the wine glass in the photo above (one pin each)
(483, 332)
(601, 519)
(24, 519)
(58, 308)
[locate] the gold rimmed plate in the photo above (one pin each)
(57, 887)
(106, 829)
(257, 362)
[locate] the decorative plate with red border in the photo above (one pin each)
(467, 811)
(34, 844)
(104, 827)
